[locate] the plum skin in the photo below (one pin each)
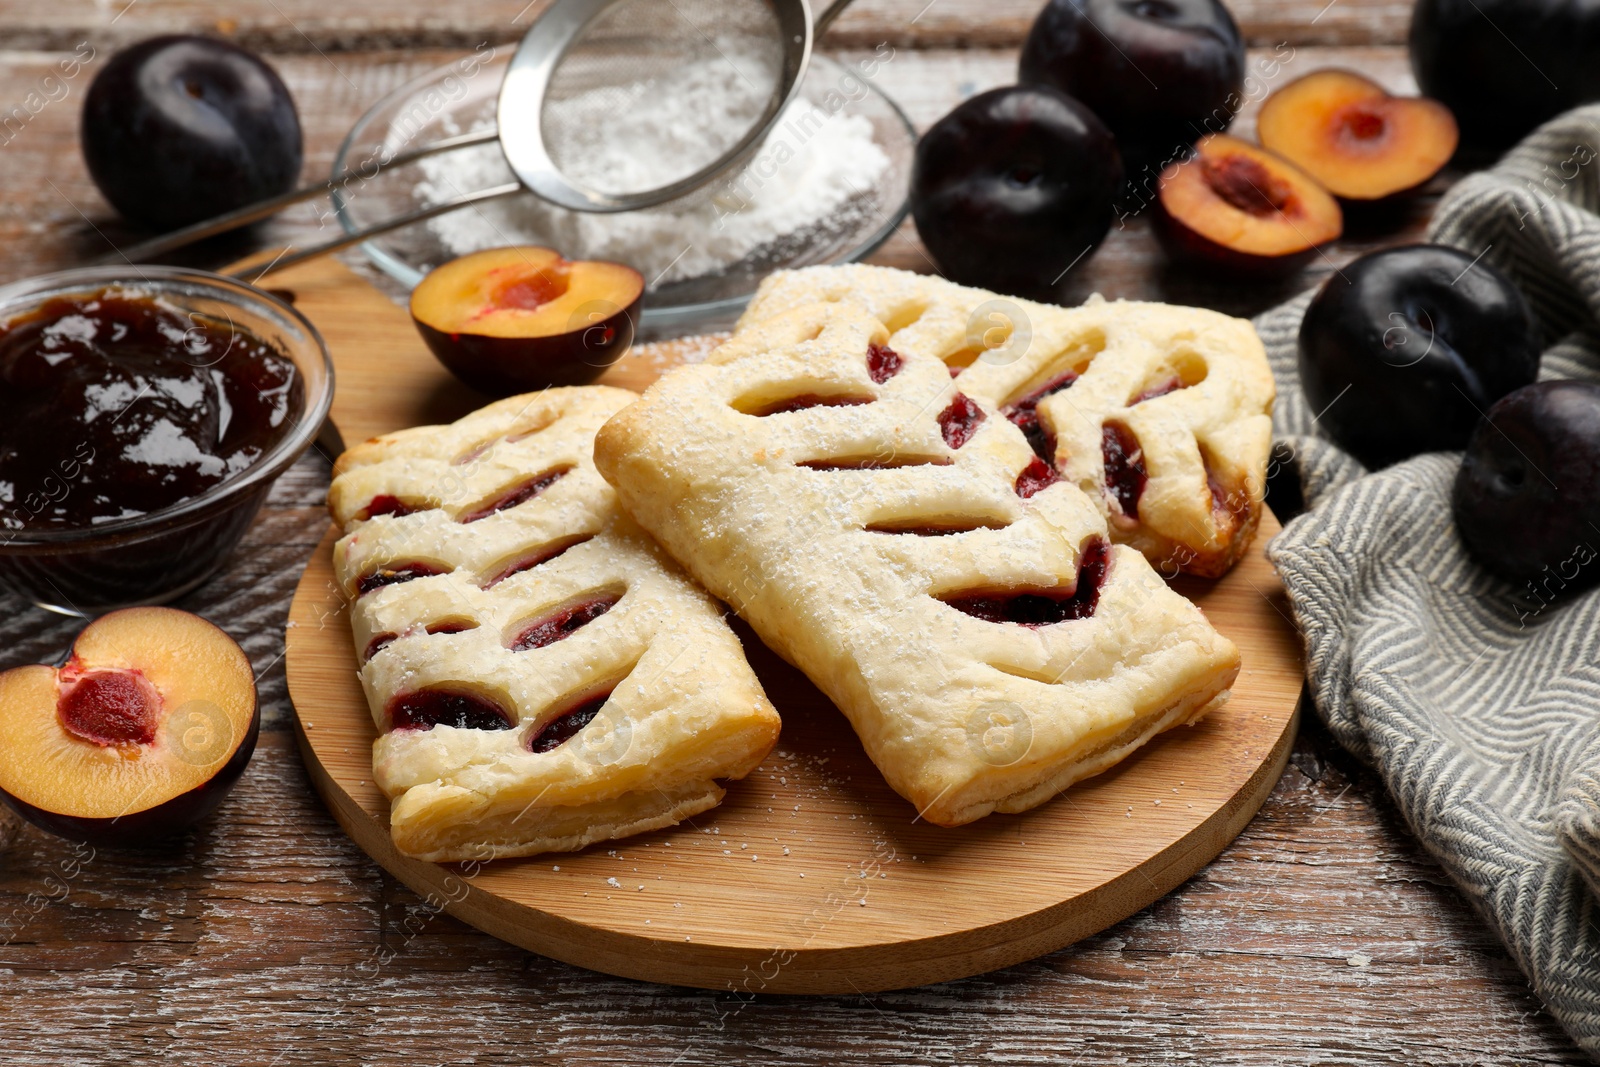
(505, 366)
(1505, 66)
(1526, 500)
(1013, 186)
(1403, 350)
(154, 824)
(1159, 73)
(178, 128)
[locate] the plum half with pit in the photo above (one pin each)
(1403, 350)
(139, 736)
(1159, 73)
(1239, 207)
(511, 320)
(1346, 131)
(1527, 497)
(1013, 188)
(181, 128)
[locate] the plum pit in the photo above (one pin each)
(139, 736)
(109, 707)
(1240, 207)
(1348, 133)
(1247, 185)
(528, 290)
(510, 320)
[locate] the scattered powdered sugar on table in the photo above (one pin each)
(814, 167)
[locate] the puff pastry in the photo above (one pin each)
(898, 541)
(1161, 414)
(541, 675)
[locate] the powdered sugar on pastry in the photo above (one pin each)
(897, 540)
(1161, 414)
(541, 675)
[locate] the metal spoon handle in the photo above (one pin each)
(171, 242)
(255, 271)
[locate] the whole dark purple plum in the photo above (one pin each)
(1013, 187)
(177, 129)
(1505, 66)
(1527, 498)
(1403, 350)
(1159, 73)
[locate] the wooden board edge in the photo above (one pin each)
(831, 971)
(821, 972)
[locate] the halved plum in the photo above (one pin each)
(1348, 133)
(138, 737)
(512, 320)
(1238, 206)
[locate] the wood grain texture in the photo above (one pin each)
(265, 936)
(297, 26)
(812, 876)
(54, 195)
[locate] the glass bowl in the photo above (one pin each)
(154, 557)
(460, 98)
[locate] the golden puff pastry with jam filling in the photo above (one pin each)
(898, 541)
(542, 676)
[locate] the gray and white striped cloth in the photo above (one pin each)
(1479, 707)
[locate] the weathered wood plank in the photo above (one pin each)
(268, 935)
(53, 217)
(311, 26)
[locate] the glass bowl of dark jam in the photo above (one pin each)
(144, 414)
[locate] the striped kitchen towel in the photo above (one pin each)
(1477, 702)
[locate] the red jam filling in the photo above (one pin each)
(439, 707)
(873, 463)
(1045, 608)
(1037, 475)
(960, 421)
(394, 574)
(378, 643)
(386, 504)
(883, 363)
(381, 641)
(564, 623)
(806, 401)
(532, 560)
(1024, 413)
(930, 529)
(1171, 385)
(1125, 472)
(561, 729)
(519, 494)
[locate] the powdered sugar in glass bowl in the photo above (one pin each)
(829, 186)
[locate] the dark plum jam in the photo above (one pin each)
(114, 405)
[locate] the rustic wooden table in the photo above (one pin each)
(1323, 935)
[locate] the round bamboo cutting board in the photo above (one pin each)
(812, 876)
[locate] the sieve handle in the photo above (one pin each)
(233, 220)
(824, 20)
(289, 257)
